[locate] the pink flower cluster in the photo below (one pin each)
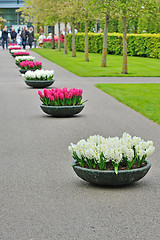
(55, 39)
(14, 48)
(30, 65)
(20, 54)
(47, 40)
(61, 97)
(12, 44)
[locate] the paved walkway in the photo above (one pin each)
(40, 196)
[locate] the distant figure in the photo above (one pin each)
(13, 36)
(18, 39)
(5, 37)
(40, 30)
(10, 29)
(63, 32)
(30, 37)
(24, 35)
(18, 31)
(69, 30)
(40, 39)
(49, 36)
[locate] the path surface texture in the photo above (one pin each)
(41, 198)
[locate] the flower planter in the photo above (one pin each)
(23, 71)
(17, 64)
(39, 84)
(62, 111)
(104, 177)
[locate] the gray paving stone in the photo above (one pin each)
(40, 196)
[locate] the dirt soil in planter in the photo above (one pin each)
(121, 166)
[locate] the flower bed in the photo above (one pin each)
(61, 97)
(13, 44)
(15, 54)
(14, 47)
(111, 153)
(39, 75)
(24, 58)
(17, 50)
(47, 43)
(30, 65)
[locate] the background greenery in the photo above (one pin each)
(143, 98)
(143, 45)
(145, 67)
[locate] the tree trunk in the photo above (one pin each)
(59, 42)
(65, 39)
(53, 42)
(73, 39)
(105, 39)
(124, 67)
(86, 42)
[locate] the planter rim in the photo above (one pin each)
(42, 81)
(61, 106)
(112, 171)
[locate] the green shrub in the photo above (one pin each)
(143, 45)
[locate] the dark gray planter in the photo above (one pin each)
(62, 111)
(101, 177)
(23, 71)
(39, 84)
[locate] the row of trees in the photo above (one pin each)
(49, 12)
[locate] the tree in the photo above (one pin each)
(71, 12)
(105, 9)
(86, 14)
(133, 9)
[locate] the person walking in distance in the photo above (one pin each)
(13, 36)
(24, 35)
(30, 37)
(5, 37)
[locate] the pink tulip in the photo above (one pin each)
(70, 95)
(40, 94)
(61, 96)
(64, 90)
(77, 92)
(56, 96)
(80, 92)
(51, 98)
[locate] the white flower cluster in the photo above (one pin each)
(19, 50)
(10, 47)
(24, 58)
(39, 75)
(113, 149)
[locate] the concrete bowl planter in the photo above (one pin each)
(39, 84)
(62, 111)
(109, 178)
(23, 71)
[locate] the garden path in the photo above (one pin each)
(41, 198)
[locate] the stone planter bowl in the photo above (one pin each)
(39, 84)
(23, 71)
(62, 111)
(102, 177)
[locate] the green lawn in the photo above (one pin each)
(137, 66)
(143, 98)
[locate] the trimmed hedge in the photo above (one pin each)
(143, 45)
